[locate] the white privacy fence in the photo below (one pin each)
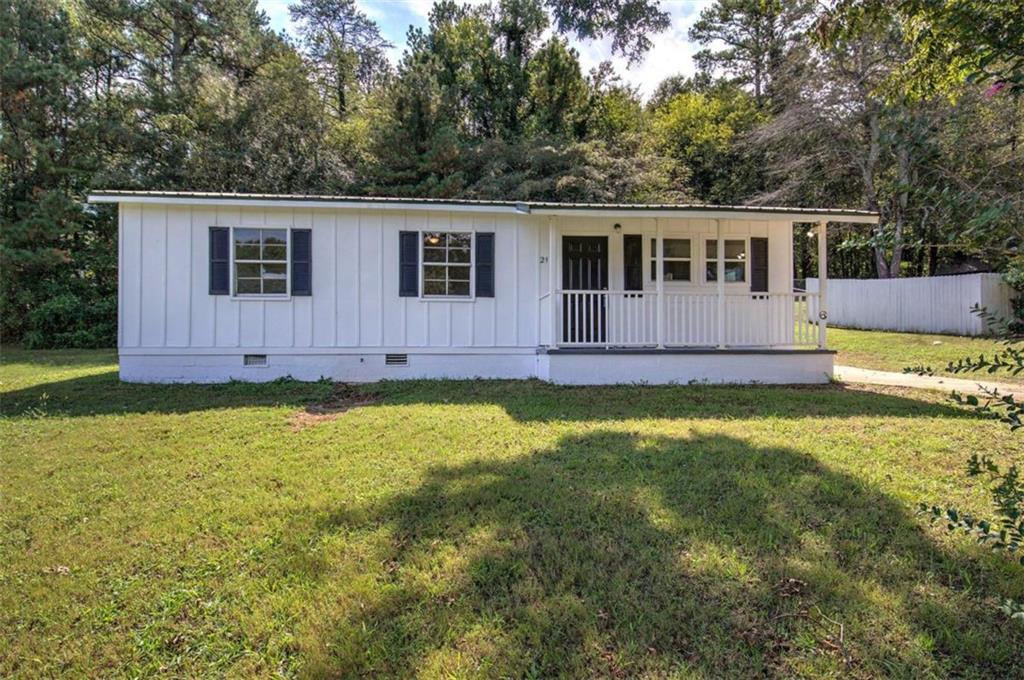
(935, 304)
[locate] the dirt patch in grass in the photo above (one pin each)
(343, 397)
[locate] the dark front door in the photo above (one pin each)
(584, 268)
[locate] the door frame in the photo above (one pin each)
(595, 310)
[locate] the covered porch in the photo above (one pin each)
(686, 283)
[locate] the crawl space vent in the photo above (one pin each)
(396, 359)
(254, 360)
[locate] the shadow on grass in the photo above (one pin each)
(524, 400)
(58, 358)
(619, 555)
(104, 394)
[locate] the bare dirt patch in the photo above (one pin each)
(343, 398)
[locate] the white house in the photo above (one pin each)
(214, 287)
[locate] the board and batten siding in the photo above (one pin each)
(165, 304)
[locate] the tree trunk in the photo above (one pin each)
(868, 167)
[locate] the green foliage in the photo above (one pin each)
(1005, 533)
(1008, 359)
(69, 321)
(629, 23)
(951, 40)
(749, 40)
(486, 102)
(703, 132)
(51, 141)
(557, 90)
(344, 46)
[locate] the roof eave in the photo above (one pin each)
(481, 206)
(286, 202)
(714, 212)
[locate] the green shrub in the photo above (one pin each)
(66, 320)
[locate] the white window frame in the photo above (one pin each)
(287, 262)
(745, 260)
(471, 265)
(654, 260)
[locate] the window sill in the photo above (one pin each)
(444, 298)
(261, 298)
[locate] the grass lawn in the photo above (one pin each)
(488, 529)
(887, 351)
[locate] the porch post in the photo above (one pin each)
(720, 279)
(659, 280)
(553, 280)
(822, 281)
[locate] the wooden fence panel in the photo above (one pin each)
(936, 304)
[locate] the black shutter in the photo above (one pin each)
(302, 261)
(220, 261)
(408, 263)
(758, 265)
(633, 261)
(485, 265)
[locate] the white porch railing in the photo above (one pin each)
(605, 318)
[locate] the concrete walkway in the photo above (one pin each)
(965, 385)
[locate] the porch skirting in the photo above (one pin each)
(561, 366)
(685, 366)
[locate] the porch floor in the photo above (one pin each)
(683, 350)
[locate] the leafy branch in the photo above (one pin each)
(1009, 359)
(997, 406)
(1006, 532)
(1003, 534)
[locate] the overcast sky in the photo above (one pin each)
(672, 52)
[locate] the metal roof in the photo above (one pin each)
(521, 207)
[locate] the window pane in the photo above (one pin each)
(677, 271)
(278, 253)
(247, 244)
(267, 272)
(247, 252)
(435, 272)
(677, 247)
(458, 240)
(247, 286)
(440, 250)
(275, 271)
(735, 271)
(712, 249)
(711, 273)
(247, 236)
(274, 237)
(654, 268)
(735, 250)
(247, 271)
(275, 286)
